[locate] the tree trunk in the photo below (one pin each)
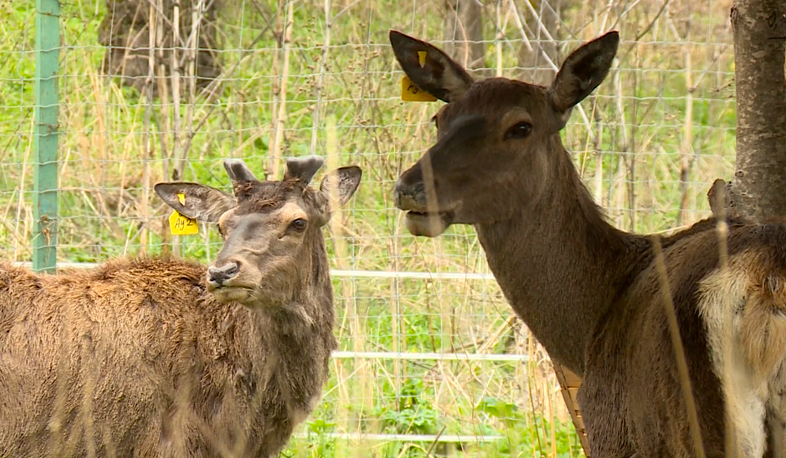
(125, 31)
(464, 32)
(759, 186)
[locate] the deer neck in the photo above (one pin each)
(306, 303)
(561, 265)
(300, 333)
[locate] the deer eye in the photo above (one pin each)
(520, 130)
(298, 225)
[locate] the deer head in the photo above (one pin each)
(498, 139)
(270, 228)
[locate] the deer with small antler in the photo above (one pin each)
(162, 357)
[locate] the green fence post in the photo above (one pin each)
(47, 63)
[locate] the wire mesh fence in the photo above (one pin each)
(157, 90)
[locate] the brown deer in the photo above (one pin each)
(595, 297)
(169, 358)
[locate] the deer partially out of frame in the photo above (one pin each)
(170, 358)
(594, 296)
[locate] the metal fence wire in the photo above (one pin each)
(432, 359)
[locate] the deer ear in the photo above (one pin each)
(342, 183)
(336, 189)
(430, 68)
(199, 201)
(583, 70)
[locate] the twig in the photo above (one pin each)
(548, 59)
(146, 141)
(175, 81)
(280, 120)
(686, 155)
(213, 93)
(679, 350)
(320, 80)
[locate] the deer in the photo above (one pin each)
(679, 341)
(165, 357)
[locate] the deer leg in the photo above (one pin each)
(776, 415)
(776, 437)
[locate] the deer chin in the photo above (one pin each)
(428, 224)
(227, 294)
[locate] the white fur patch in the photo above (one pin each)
(727, 296)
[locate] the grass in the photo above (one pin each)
(656, 134)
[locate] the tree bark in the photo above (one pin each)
(464, 32)
(759, 186)
(125, 31)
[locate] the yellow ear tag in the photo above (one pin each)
(410, 92)
(422, 58)
(181, 225)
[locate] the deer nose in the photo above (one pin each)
(220, 275)
(410, 196)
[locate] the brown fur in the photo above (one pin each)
(591, 294)
(137, 359)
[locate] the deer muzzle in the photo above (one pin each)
(420, 218)
(410, 197)
(218, 276)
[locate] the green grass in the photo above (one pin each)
(645, 124)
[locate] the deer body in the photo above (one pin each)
(593, 295)
(156, 357)
(100, 359)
